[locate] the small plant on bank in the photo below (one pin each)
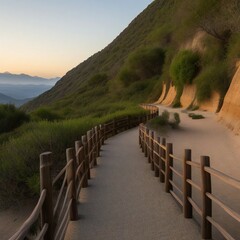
(195, 116)
(176, 121)
(164, 120)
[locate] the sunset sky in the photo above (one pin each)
(49, 37)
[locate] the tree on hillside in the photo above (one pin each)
(219, 18)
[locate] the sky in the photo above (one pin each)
(47, 38)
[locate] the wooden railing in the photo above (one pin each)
(57, 204)
(160, 156)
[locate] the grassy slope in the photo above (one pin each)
(73, 90)
(166, 24)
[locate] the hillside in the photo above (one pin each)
(171, 43)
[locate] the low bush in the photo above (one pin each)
(144, 63)
(195, 116)
(212, 78)
(44, 114)
(174, 123)
(11, 118)
(164, 120)
(128, 76)
(99, 79)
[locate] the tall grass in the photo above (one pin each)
(19, 156)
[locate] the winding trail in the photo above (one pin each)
(124, 201)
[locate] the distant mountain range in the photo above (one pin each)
(21, 88)
(9, 78)
(4, 99)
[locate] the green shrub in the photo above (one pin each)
(99, 79)
(212, 78)
(176, 121)
(184, 67)
(128, 76)
(164, 120)
(176, 103)
(144, 63)
(19, 156)
(204, 89)
(11, 118)
(44, 114)
(195, 116)
(147, 62)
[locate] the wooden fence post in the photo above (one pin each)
(46, 183)
(206, 202)
(85, 148)
(71, 170)
(94, 147)
(78, 144)
(162, 153)
(104, 131)
(157, 158)
(146, 142)
(101, 135)
(128, 122)
(97, 140)
(114, 127)
(139, 136)
(152, 151)
(168, 171)
(80, 159)
(89, 141)
(187, 188)
(142, 137)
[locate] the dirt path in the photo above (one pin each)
(207, 137)
(124, 201)
(210, 137)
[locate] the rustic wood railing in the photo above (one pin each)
(57, 204)
(160, 156)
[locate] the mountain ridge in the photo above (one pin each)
(23, 78)
(4, 99)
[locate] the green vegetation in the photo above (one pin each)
(184, 67)
(143, 64)
(19, 156)
(164, 120)
(44, 114)
(11, 118)
(195, 116)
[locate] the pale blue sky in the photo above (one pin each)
(49, 37)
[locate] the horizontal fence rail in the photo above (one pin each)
(160, 156)
(57, 204)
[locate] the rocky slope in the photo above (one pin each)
(230, 112)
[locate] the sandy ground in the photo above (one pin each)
(210, 137)
(206, 137)
(12, 219)
(125, 202)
